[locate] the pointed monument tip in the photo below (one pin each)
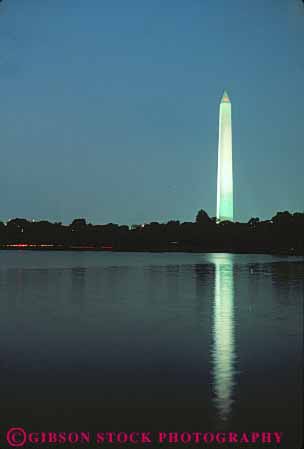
(225, 97)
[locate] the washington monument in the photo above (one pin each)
(224, 206)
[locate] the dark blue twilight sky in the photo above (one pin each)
(109, 108)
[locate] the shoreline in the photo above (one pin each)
(51, 248)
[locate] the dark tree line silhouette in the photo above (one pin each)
(284, 233)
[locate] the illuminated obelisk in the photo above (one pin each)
(224, 207)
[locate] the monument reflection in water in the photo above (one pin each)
(223, 340)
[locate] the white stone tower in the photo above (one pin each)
(224, 208)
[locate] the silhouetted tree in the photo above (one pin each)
(282, 218)
(253, 222)
(78, 224)
(202, 218)
(18, 224)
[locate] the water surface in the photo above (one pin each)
(190, 341)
